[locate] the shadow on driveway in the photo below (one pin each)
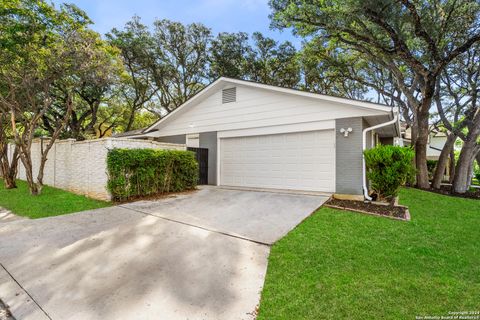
(115, 263)
(264, 217)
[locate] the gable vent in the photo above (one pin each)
(229, 95)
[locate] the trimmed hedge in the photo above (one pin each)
(389, 167)
(135, 173)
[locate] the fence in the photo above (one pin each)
(80, 166)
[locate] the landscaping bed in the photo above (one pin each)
(447, 190)
(397, 212)
(154, 197)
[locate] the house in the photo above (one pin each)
(436, 142)
(263, 136)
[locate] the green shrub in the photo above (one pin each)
(477, 175)
(431, 164)
(388, 168)
(143, 172)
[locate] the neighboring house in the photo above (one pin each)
(262, 136)
(436, 141)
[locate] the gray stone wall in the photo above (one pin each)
(179, 139)
(209, 140)
(349, 156)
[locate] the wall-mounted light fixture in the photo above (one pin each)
(346, 131)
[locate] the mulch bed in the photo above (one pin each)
(396, 212)
(447, 191)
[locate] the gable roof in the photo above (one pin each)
(224, 80)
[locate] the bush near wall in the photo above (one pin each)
(477, 175)
(388, 168)
(134, 173)
(431, 164)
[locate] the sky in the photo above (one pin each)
(219, 15)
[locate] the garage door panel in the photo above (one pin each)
(298, 161)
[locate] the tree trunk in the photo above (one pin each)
(421, 152)
(130, 121)
(8, 168)
(27, 164)
(443, 160)
(478, 161)
(452, 166)
(413, 143)
(51, 141)
(460, 182)
(7, 176)
(470, 173)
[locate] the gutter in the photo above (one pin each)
(364, 147)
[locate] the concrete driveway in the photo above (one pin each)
(147, 260)
(263, 217)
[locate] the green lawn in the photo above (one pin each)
(52, 201)
(341, 265)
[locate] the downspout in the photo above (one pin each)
(364, 140)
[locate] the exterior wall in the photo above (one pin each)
(209, 140)
(349, 156)
(254, 108)
(386, 141)
(288, 128)
(370, 139)
(438, 142)
(178, 139)
(80, 167)
(435, 146)
(193, 140)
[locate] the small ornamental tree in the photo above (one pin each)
(388, 168)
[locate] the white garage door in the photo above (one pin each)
(294, 161)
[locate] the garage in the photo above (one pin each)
(263, 136)
(291, 161)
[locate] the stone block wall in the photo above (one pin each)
(81, 166)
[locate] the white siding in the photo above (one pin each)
(437, 143)
(255, 107)
(294, 161)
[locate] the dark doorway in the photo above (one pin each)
(202, 159)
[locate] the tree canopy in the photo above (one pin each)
(59, 78)
(413, 41)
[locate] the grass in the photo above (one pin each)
(52, 201)
(342, 265)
